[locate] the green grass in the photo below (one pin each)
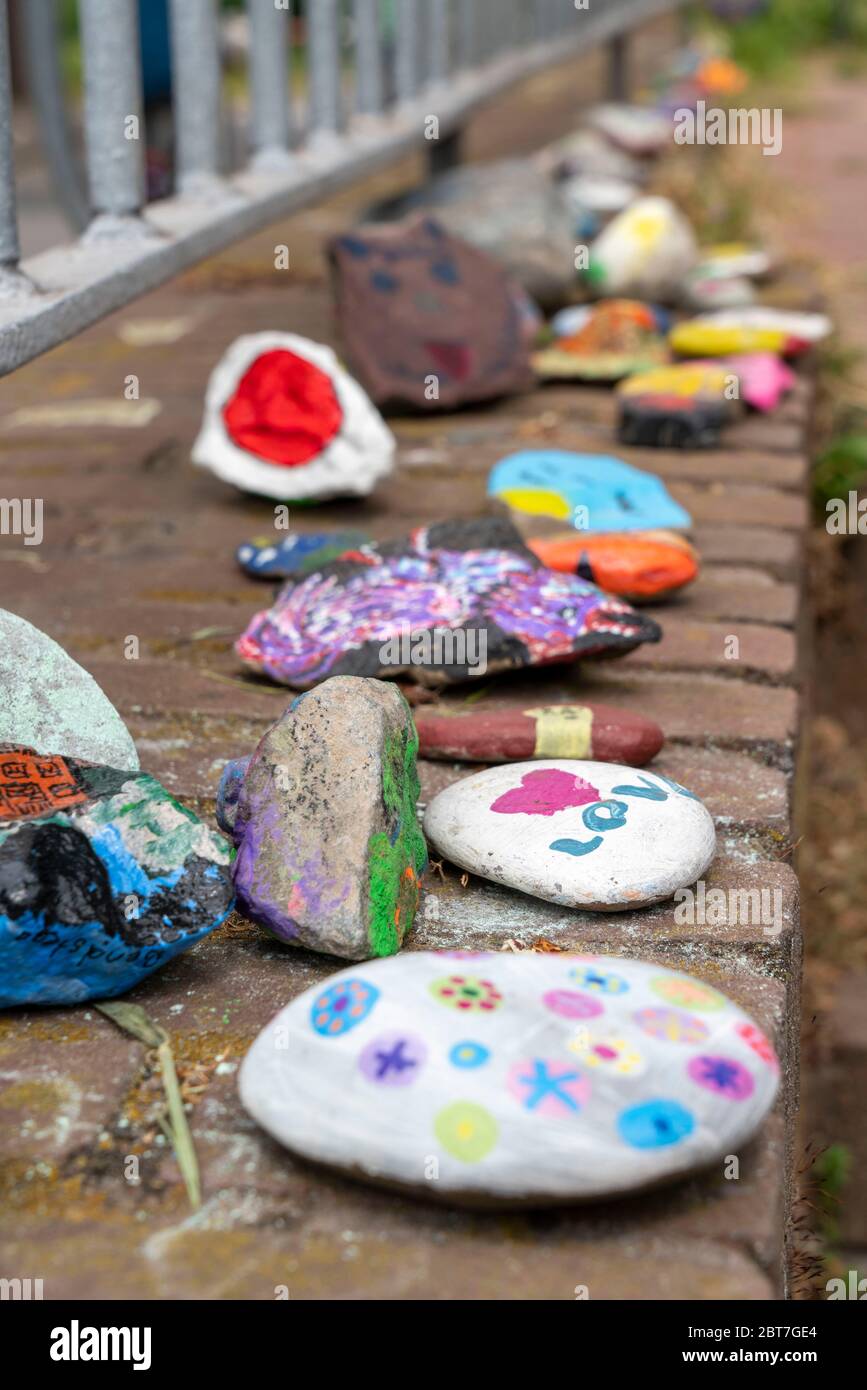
(789, 29)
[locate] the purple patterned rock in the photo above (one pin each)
(448, 603)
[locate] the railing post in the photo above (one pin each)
(113, 120)
(196, 82)
(618, 68)
(370, 90)
(439, 37)
(323, 55)
(407, 57)
(269, 81)
(9, 246)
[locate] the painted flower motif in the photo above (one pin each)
(467, 993)
(548, 1086)
(670, 1025)
(393, 1059)
(598, 981)
(722, 1075)
(568, 1003)
(342, 1007)
(616, 1054)
(688, 994)
(758, 1043)
(656, 1124)
(467, 1131)
(468, 1055)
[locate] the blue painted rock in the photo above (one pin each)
(103, 878)
(501, 1079)
(681, 407)
(330, 852)
(284, 419)
(51, 702)
(295, 555)
(598, 732)
(592, 492)
(449, 603)
(582, 834)
(428, 320)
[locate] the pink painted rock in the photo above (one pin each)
(599, 732)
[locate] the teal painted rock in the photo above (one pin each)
(51, 703)
(330, 852)
(103, 878)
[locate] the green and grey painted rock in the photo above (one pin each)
(51, 703)
(330, 852)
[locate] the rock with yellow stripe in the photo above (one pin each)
(599, 732)
(680, 407)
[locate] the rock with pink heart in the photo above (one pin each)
(581, 834)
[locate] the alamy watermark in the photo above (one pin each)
(737, 126)
(735, 907)
(437, 647)
(22, 516)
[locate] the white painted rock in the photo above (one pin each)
(51, 704)
(581, 834)
(284, 419)
(495, 1078)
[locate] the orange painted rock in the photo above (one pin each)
(597, 732)
(620, 336)
(638, 565)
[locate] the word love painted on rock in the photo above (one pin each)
(582, 834)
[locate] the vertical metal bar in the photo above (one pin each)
(270, 29)
(467, 15)
(113, 105)
(438, 40)
(618, 68)
(9, 245)
(196, 91)
(370, 88)
(323, 61)
(407, 49)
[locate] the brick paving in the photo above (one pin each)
(137, 542)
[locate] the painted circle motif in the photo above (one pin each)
(670, 1025)
(722, 1075)
(616, 1054)
(468, 1055)
(688, 994)
(393, 1059)
(568, 1003)
(598, 981)
(467, 1131)
(467, 993)
(657, 1124)
(758, 1043)
(548, 1086)
(342, 1006)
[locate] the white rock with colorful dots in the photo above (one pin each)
(581, 834)
(511, 1078)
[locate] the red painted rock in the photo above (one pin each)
(598, 732)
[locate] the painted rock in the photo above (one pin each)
(638, 130)
(512, 211)
(330, 852)
(589, 154)
(682, 407)
(753, 329)
(103, 878)
(638, 565)
(732, 260)
(448, 603)
(619, 337)
(51, 702)
(428, 320)
(582, 834)
(644, 252)
(295, 555)
(598, 732)
(529, 1079)
(283, 419)
(593, 197)
(703, 293)
(591, 492)
(764, 378)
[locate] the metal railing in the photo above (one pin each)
(372, 79)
